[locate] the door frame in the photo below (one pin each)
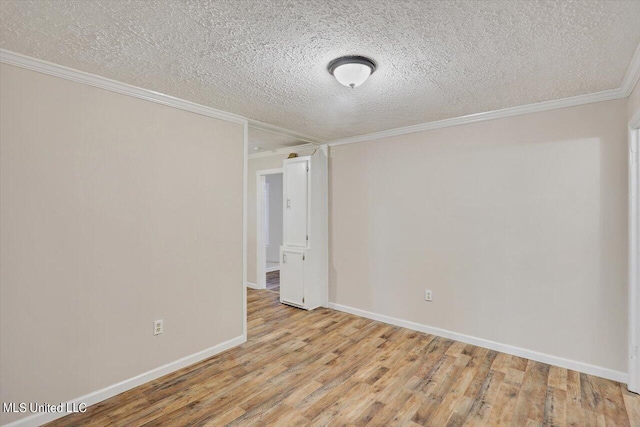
(633, 382)
(261, 250)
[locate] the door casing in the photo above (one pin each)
(261, 249)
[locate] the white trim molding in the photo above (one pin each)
(45, 67)
(254, 124)
(491, 345)
(634, 253)
(632, 75)
(67, 73)
(251, 285)
(634, 123)
(121, 387)
(245, 175)
(284, 150)
(261, 250)
(607, 95)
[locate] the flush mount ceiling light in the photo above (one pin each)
(352, 71)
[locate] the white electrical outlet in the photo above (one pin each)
(428, 296)
(158, 328)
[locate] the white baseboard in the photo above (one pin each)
(106, 393)
(251, 285)
(492, 345)
(274, 268)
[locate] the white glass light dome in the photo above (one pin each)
(352, 71)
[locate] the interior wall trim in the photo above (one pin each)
(634, 253)
(632, 75)
(245, 207)
(61, 71)
(629, 81)
(83, 77)
(261, 251)
(624, 91)
(266, 127)
(491, 345)
(112, 390)
(284, 150)
(607, 95)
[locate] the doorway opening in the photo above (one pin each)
(269, 233)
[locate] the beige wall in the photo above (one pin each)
(114, 212)
(634, 101)
(518, 225)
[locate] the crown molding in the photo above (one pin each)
(254, 124)
(284, 150)
(606, 95)
(34, 64)
(632, 75)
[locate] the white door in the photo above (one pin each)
(295, 204)
(292, 277)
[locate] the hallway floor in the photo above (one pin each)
(273, 281)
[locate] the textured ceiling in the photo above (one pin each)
(266, 60)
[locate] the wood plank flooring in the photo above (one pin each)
(330, 368)
(273, 281)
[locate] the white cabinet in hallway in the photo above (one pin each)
(304, 252)
(292, 273)
(296, 201)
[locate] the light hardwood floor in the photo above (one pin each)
(273, 281)
(330, 368)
